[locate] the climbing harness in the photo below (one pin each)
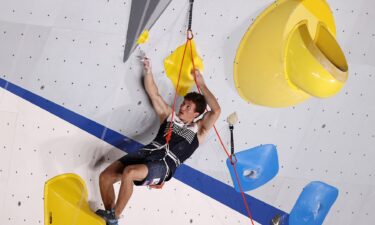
(167, 153)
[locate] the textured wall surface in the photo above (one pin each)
(70, 53)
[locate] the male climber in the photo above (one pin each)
(156, 162)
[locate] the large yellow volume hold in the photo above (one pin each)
(172, 66)
(290, 54)
(65, 202)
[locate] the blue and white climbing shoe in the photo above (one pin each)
(108, 216)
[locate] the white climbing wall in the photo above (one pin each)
(70, 53)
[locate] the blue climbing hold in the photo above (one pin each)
(255, 167)
(313, 204)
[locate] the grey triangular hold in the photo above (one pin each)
(143, 14)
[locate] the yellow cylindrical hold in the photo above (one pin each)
(320, 72)
(262, 64)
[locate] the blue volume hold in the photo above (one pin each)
(255, 167)
(313, 204)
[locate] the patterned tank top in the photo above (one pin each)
(184, 139)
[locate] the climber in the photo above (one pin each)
(156, 162)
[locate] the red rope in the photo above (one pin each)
(221, 142)
(169, 134)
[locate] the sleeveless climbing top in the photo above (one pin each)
(184, 139)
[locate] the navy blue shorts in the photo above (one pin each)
(157, 169)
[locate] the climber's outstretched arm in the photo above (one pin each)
(161, 108)
(211, 116)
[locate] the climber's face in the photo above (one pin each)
(187, 111)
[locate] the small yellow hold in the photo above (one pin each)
(172, 66)
(143, 38)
